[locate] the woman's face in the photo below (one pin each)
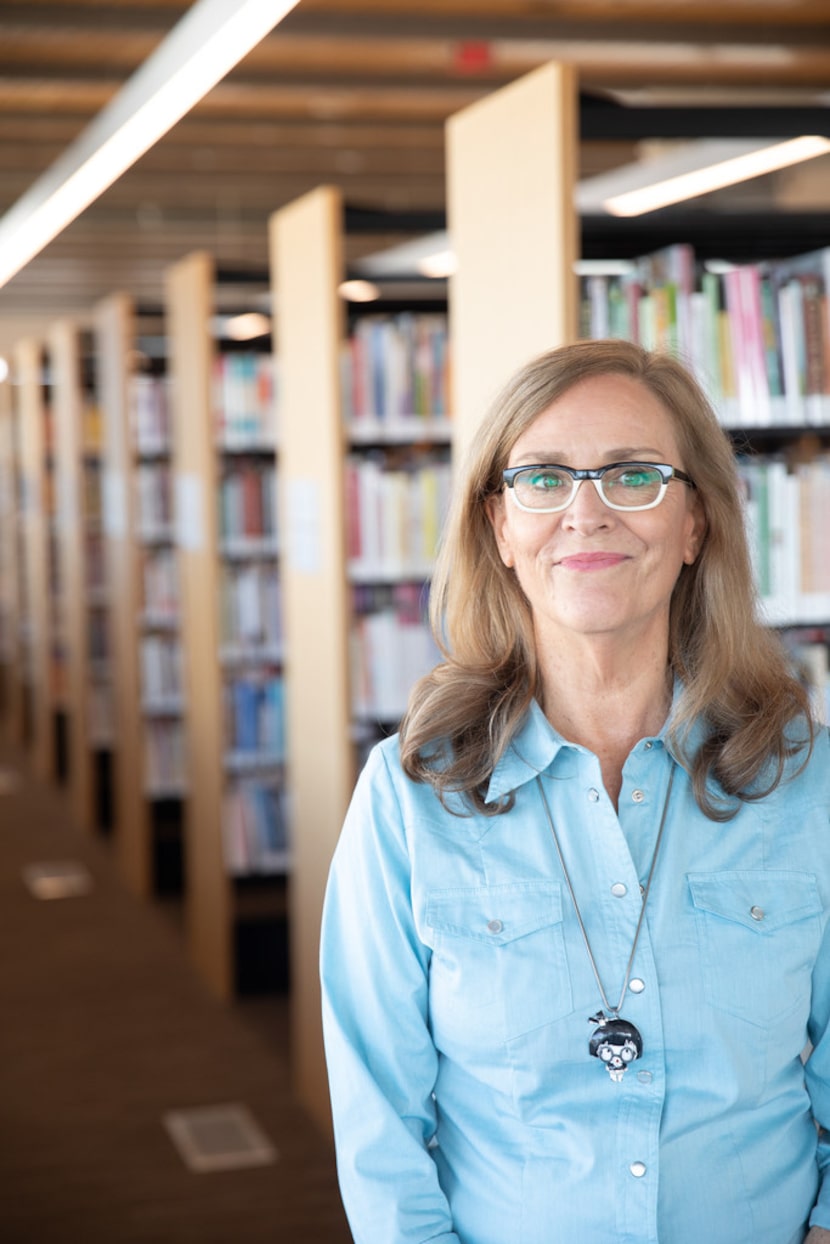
(589, 569)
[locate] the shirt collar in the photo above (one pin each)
(532, 750)
(537, 745)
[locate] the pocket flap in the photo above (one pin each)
(761, 901)
(496, 914)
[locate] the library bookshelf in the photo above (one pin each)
(148, 779)
(32, 417)
(11, 570)
(82, 664)
(236, 861)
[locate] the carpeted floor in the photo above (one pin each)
(104, 1027)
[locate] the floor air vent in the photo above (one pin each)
(219, 1138)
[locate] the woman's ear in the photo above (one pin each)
(696, 533)
(497, 514)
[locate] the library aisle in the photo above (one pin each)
(106, 1031)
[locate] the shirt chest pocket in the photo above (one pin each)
(498, 958)
(759, 933)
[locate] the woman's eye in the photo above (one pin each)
(634, 479)
(544, 481)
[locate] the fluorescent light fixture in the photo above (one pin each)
(212, 37)
(4, 369)
(438, 265)
(405, 259)
(245, 327)
(358, 291)
(689, 171)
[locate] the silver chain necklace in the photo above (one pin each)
(615, 1041)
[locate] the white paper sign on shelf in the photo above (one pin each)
(304, 534)
(190, 517)
(114, 504)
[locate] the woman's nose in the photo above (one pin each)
(587, 508)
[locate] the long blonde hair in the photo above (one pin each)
(734, 671)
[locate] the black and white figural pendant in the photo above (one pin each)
(616, 1042)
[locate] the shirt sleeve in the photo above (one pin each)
(382, 1063)
(818, 1078)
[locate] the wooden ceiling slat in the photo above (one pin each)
(785, 11)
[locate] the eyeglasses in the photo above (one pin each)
(546, 488)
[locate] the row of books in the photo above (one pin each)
(250, 605)
(810, 651)
(100, 715)
(244, 394)
(788, 518)
(164, 758)
(92, 426)
(162, 678)
(255, 716)
(255, 828)
(248, 502)
(395, 509)
(150, 426)
(396, 366)
(96, 558)
(154, 500)
(92, 499)
(160, 578)
(97, 636)
(391, 647)
(245, 391)
(756, 335)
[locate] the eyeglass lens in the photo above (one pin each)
(541, 488)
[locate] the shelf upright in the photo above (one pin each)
(10, 564)
(114, 330)
(208, 899)
(307, 266)
(511, 172)
(148, 780)
(35, 487)
(73, 553)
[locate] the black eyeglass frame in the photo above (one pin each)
(666, 472)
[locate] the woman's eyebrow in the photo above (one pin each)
(625, 454)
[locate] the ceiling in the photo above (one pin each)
(355, 93)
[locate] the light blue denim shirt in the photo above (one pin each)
(457, 992)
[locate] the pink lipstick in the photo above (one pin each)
(592, 561)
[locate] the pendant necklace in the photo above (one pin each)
(615, 1040)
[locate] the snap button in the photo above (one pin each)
(636, 985)
(495, 926)
(619, 889)
(638, 1169)
(593, 795)
(637, 796)
(645, 1077)
(757, 913)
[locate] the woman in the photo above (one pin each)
(573, 945)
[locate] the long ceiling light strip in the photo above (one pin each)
(201, 49)
(692, 170)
